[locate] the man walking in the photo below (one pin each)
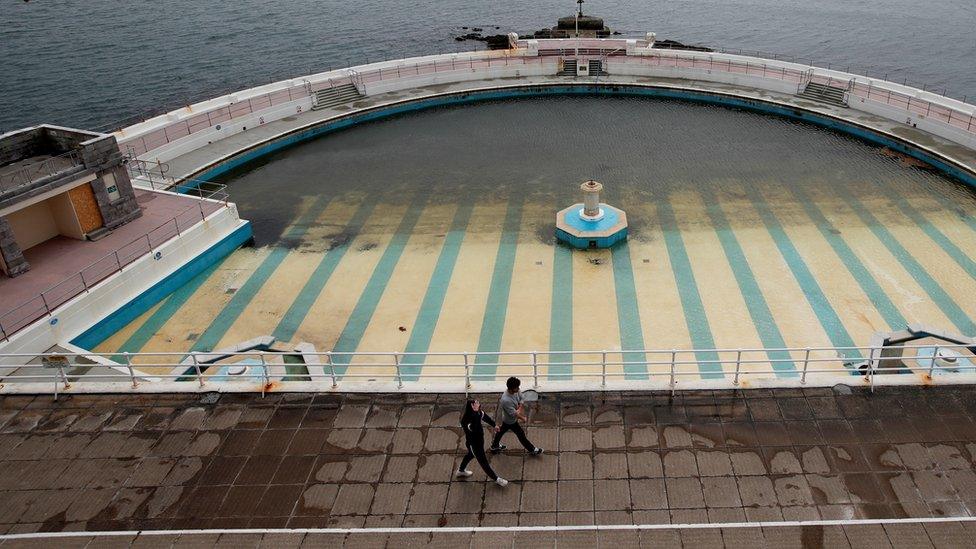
(510, 412)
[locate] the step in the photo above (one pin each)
(331, 97)
(569, 68)
(824, 94)
(596, 68)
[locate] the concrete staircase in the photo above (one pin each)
(569, 68)
(824, 94)
(330, 97)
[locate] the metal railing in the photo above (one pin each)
(47, 301)
(362, 76)
(36, 171)
(868, 90)
(152, 172)
(670, 369)
(213, 118)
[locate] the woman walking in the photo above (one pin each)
(474, 439)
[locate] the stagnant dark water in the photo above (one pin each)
(538, 150)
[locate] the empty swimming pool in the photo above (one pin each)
(434, 232)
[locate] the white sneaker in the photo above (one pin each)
(464, 473)
(501, 482)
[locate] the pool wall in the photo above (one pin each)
(911, 116)
(865, 133)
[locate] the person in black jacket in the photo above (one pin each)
(474, 439)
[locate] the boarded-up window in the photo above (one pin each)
(89, 216)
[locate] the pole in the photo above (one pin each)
(328, 357)
(396, 365)
(128, 364)
(579, 12)
(196, 368)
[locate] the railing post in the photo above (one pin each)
(806, 361)
(738, 364)
(467, 373)
(396, 365)
(935, 354)
(64, 379)
(871, 369)
(46, 306)
(535, 370)
(674, 354)
(196, 367)
(264, 372)
(328, 357)
(603, 368)
(128, 365)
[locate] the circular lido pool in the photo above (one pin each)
(434, 231)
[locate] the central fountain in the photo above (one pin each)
(591, 224)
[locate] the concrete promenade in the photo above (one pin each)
(135, 462)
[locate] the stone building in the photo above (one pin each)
(55, 182)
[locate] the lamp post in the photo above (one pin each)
(579, 13)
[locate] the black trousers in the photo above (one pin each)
(517, 429)
(478, 451)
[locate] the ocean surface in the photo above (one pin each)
(94, 64)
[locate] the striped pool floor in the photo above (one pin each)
(737, 265)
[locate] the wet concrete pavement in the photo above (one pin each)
(134, 462)
(888, 534)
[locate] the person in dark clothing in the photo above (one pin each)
(474, 439)
(509, 414)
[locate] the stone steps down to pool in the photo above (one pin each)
(331, 97)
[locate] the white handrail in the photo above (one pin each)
(674, 368)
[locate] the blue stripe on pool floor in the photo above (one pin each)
(942, 299)
(561, 314)
(864, 279)
(957, 209)
(709, 365)
(362, 313)
(762, 318)
(496, 308)
(832, 325)
(243, 296)
(933, 232)
(165, 312)
(430, 309)
(306, 297)
(628, 313)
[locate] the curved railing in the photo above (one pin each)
(543, 57)
(639, 369)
